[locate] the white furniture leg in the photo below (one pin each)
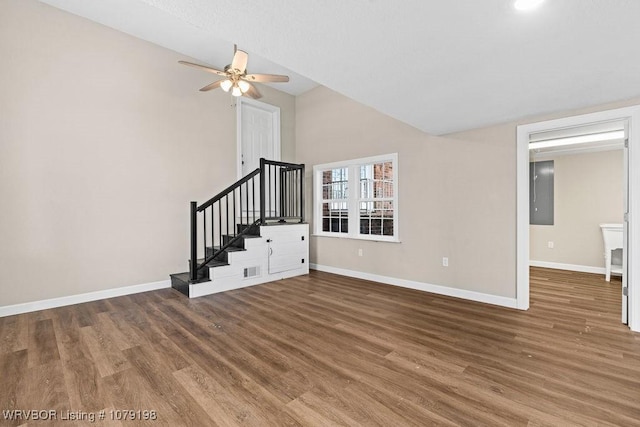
(612, 236)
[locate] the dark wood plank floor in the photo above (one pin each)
(329, 350)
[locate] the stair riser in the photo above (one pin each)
(238, 243)
(203, 273)
(253, 231)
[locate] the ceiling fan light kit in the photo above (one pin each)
(236, 78)
(226, 85)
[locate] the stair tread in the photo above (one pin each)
(214, 263)
(181, 276)
(182, 281)
(186, 278)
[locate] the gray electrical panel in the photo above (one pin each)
(541, 193)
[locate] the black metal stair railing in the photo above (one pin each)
(272, 193)
(281, 191)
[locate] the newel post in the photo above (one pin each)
(193, 262)
(263, 190)
(302, 194)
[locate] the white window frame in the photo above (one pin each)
(354, 198)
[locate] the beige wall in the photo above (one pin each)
(457, 193)
(588, 191)
(504, 135)
(104, 140)
(456, 198)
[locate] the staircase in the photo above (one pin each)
(252, 232)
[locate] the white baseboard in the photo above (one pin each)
(569, 267)
(426, 287)
(9, 310)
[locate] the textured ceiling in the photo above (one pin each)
(441, 66)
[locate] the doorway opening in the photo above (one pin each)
(603, 131)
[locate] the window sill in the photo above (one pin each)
(370, 239)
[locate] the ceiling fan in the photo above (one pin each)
(236, 78)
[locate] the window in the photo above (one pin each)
(335, 210)
(357, 198)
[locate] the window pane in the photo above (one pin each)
(366, 181)
(338, 207)
(376, 180)
(377, 218)
(335, 225)
(366, 207)
(376, 227)
(335, 217)
(388, 189)
(365, 226)
(366, 188)
(335, 184)
(344, 225)
(384, 171)
(387, 228)
(388, 209)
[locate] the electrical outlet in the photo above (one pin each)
(445, 262)
(550, 244)
(359, 252)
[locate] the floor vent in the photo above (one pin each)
(251, 272)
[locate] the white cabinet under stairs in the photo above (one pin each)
(278, 252)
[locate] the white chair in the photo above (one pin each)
(612, 236)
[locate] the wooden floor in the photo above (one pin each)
(329, 350)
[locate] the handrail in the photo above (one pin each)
(227, 190)
(236, 211)
(279, 163)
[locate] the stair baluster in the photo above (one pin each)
(282, 201)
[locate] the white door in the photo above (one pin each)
(258, 127)
(258, 134)
(625, 229)
(287, 249)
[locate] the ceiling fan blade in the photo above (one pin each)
(202, 67)
(211, 86)
(252, 92)
(266, 78)
(240, 59)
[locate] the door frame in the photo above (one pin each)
(275, 117)
(632, 114)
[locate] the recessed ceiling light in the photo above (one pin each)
(527, 4)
